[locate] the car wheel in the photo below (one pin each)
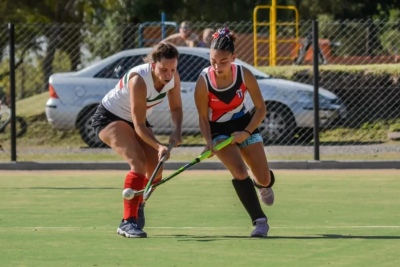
(278, 125)
(86, 130)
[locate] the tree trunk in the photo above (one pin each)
(47, 66)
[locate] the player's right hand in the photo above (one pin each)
(209, 146)
(163, 150)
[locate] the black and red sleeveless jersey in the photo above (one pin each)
(227, 103)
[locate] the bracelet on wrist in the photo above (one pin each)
(244, 130)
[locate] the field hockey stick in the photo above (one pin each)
(149, 187)
(188, 165)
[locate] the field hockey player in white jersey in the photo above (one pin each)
(120, 122)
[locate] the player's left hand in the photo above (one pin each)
(176, 138)
(239, 137)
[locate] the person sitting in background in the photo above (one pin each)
(206, 38)
(185, 36)
(307, 44)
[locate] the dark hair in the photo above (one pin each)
(162, 50)
(187, 24)
(224, 39)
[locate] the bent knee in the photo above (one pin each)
(267, 180)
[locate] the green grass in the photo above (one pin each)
(320, 218)
(32, 106)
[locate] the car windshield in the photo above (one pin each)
(257, 73)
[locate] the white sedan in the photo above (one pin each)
(74, 97)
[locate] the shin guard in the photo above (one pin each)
(135, 181)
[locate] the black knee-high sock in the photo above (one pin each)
(248, 196)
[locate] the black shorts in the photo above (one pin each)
(228, 127)
(102, 117)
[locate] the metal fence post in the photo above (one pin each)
(11, 33)
(316, 85)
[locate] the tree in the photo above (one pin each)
(340, 10)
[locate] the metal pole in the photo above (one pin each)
(272, 38)
(11, 33)
(163, 18)
(316, 85)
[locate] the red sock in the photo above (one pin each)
(133, 180)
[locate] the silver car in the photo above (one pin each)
(74, 97)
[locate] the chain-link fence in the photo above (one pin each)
(358, 96)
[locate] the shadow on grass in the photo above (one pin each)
(201, 238)
(337, 236)
(210, 238)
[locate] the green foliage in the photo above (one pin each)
(62, 62)
(29, 77)
(390, 41)
(351, 9)
(133, 11)
(103, 41)
(394, 126)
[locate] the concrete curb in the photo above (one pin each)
(295, 165)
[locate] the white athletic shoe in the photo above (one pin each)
(266, 195)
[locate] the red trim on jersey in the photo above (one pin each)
(152, 105)
(213, 79)
(220, 108)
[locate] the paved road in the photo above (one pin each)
(275, 151)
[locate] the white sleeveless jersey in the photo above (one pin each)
(117, 100)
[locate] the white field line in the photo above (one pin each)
(212, 227)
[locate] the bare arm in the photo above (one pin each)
(193, 40)
(172, 38)
(175, 106)
(201, 100)
(256, 97)
(138, 92)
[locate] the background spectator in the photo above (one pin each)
(185, 36)
(206, 38)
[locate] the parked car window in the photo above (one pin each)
(190, 66)
(118, 68)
